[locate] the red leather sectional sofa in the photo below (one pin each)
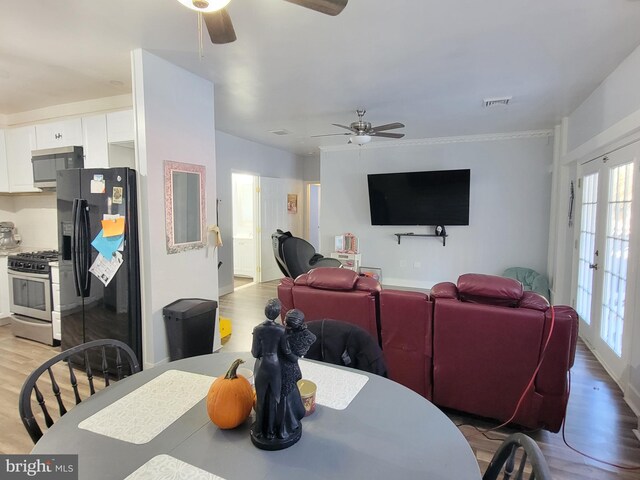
(473, 347)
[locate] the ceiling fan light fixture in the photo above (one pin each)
(360, 139)
(205, 6)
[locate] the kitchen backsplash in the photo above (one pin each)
(35, 217)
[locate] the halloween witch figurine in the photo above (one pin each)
(270, 349)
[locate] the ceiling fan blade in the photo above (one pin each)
(388, 126)
(219, 26)
(387, 135)
(329, 7)
(330, 135)
(342, 126)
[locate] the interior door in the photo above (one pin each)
(606, 187)
(275, 213)
(314, 215)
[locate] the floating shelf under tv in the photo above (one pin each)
(443, 237)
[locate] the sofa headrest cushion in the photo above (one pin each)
(489, 289)
(329, 278)
(444, 290)
(534, 301)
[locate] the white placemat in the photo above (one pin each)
(142, 414)
(166, 467)
(336, 388)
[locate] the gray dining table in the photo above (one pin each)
(386, 432)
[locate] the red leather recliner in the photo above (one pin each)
(488, 338)
(335, 293)
(406, 331)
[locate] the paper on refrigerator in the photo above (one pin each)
(107, 246)
(105, 269)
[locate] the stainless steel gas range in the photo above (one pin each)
(30, 295)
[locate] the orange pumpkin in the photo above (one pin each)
(230, 399)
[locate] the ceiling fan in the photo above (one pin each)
(361, 131)
(218, 21)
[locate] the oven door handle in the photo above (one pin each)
(19, 274)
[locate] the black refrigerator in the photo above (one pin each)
(92, 310)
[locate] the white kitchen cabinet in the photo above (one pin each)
(63, 298)
(120, 126)
(94, 141)
(20, 142)
(63, 133)
(4, 290)
(4, 170)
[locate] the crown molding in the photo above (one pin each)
(75, 109)
(490, 137)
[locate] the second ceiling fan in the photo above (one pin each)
(219, 25)
(360, 132)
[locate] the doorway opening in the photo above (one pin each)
(313, 215)
(245, 218)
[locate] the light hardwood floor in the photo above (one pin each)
(598, 422)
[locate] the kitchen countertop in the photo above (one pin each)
(22, 249)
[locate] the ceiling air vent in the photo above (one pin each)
(492, 102)
(282, 131)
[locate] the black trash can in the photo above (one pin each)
(190, 324)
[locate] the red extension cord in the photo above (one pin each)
(524, 393)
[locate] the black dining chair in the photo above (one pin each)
(108, 354)
(523, 450)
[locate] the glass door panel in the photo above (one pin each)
(587, 242)
(616, 255)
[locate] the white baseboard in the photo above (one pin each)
(5, 321)
(632, 397)
(223, 290)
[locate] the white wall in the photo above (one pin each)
(509, 208)
(311, 166)
(174, 121)
(617, 97)
(122, 155)
(236, 155)
(35, 217)
(7, 210)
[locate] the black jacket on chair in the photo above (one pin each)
(341, 343)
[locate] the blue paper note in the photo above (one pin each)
(107, 246)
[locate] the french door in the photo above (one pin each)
(605, 269)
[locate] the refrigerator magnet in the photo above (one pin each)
(117, 195)
(97, 184)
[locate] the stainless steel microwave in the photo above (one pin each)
(46, 164)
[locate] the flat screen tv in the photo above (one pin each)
(439, 197)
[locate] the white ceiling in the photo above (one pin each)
(425, 63)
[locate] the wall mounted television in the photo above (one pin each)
(439, 197)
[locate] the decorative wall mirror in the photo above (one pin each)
(185, 213)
